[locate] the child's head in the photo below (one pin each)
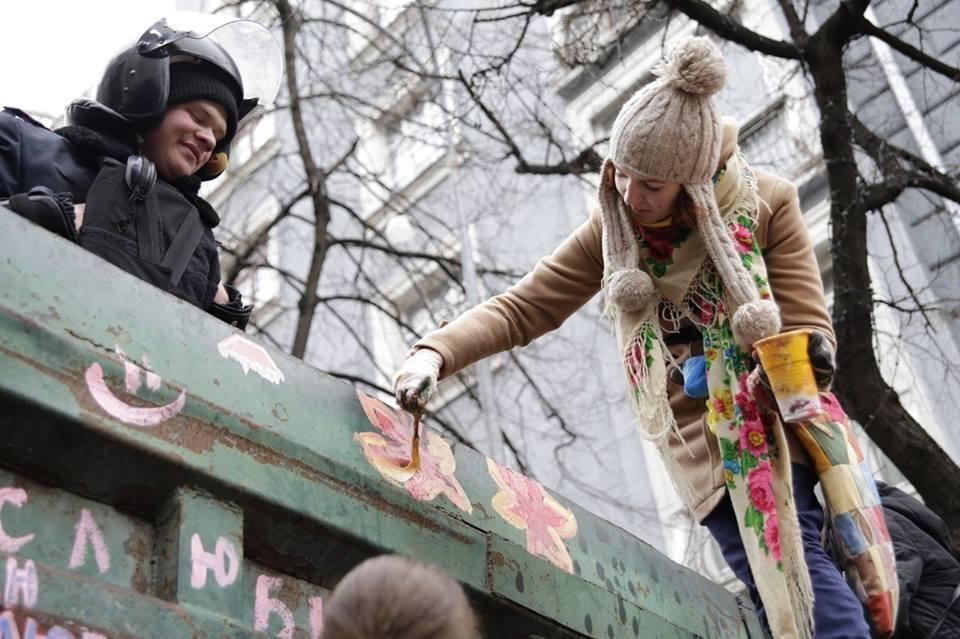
(224, 65)
(201, 117)
(395, 597)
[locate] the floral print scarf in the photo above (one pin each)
(752, 442)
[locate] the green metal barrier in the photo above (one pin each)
(162, 475)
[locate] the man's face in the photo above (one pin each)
(185, 139)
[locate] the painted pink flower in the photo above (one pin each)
(389, 451)
(760, 484)
(743, 238)
(753, 437)
(771, 535)
(524, 504)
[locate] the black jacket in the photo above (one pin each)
(927, 572)
(70, 160)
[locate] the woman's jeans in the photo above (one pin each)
(836, 610)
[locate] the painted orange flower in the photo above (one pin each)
(525, 504)
(389, 450)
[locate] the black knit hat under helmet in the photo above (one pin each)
(204, 81)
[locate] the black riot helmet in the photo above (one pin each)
(234, 62)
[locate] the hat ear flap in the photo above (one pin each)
(215, 166)
(753, 318)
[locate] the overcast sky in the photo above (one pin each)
(51, 51)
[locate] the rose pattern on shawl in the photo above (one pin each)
(388, 451)
(743, 238)
(771, 536)
(524, 504)
(760, 484)
(708, 312)
(746, 406)
(659, 244)
(747, 454)
(742, 234)
(639, 359)
(753, 437)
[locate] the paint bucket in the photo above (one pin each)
(787, 363)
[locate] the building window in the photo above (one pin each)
(405, 151)
(422, 299)
(414, 142)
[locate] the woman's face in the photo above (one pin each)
(650, 200)
(186, 138)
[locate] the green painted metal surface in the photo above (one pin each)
(163, 475)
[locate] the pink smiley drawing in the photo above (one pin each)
(142, 416)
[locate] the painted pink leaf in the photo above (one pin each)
(388, 450)
(524, 504)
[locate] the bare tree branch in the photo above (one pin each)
(252, 244)
(729, 29)
(907, 49)
(586, 161)
(900, 168)
(902, 272)
(443, 262)
(794, 21)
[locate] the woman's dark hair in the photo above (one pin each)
(686, 210)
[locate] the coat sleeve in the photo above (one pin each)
(792, 265)
(9, 155)
(909, 567)
(540, 302)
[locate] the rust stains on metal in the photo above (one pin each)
(51, 314)
(119, 333)
(279, 411)
(141, 551)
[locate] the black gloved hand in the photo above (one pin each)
(52, 211)
(822, 360)
(234, 312)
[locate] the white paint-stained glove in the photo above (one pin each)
(416, 381)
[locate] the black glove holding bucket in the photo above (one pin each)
(822, 360)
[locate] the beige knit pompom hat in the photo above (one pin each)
(670, 130)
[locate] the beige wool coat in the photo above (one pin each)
(568, 278)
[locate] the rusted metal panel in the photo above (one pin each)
(231, 484)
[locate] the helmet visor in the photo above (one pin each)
(253, 48)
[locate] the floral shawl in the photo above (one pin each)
(752, 442)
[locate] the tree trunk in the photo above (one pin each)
(865, 394)
(315, 183)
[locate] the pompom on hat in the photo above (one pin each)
(670, 130)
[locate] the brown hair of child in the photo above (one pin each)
(395, 597)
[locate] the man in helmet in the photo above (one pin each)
(126, 171)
